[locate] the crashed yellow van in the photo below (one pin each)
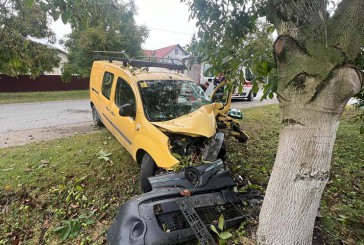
(161, 117)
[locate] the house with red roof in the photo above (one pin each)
(172, 52)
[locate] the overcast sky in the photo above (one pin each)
(167, 21)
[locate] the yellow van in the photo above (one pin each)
(160, 116)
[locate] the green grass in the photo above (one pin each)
(40, 183)
(342, 205)
(24, 97)
(45, 184)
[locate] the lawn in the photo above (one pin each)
(24, 97)
(75, 185)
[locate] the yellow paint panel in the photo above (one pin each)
(201, 122)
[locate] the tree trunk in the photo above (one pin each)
(316, 78)
(299, 176)
(310, 120)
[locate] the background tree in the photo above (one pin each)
(20, 22)
(191, 47)
(360, 96)
(360, 105)
(252, 48)
(98, 25)
(315, 54)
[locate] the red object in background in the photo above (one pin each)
(221, 77)
(248, 84)
(41, 83)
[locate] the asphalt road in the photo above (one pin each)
(239, 104)
(25, 123)
(24, 116)
(29, 122)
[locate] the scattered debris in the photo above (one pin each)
(180, 207)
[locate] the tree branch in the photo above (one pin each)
(346, 27)
(297, 17)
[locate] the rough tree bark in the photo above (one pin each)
(316, 79)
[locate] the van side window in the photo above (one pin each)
(107, 84)
(124, 95)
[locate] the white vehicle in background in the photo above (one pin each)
(245, 92)
(207, 75)
(203, 73)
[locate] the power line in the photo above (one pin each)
(176, 32)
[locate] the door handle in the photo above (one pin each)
(112, 113)
(107, 108)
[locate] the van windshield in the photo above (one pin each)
(165, 100)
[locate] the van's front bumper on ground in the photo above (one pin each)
(155, 217)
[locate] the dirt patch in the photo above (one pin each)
(23, 137)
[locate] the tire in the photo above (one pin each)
(96, 117)
(147, 169)
(250, 96)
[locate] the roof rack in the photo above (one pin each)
(172, 64)
(112, 55)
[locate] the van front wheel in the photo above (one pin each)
(95, 117)
(147, 169)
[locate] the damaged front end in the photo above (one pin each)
(184, 204)
(181, 207)
(193, 145)
(194, 151)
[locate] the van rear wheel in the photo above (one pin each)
(96, 117)
(147, 169)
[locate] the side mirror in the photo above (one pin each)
(126, 110)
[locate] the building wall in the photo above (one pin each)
(58, 70)
(172, 54)
(194, 72)
(41, 83)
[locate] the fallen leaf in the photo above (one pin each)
(74, 206)
(7, 169)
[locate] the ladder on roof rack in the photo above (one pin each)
(172, 64)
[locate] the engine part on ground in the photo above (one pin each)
(235, 113)
(156, 218)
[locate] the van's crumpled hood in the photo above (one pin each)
(201, 122)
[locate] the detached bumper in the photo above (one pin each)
(155, 218)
